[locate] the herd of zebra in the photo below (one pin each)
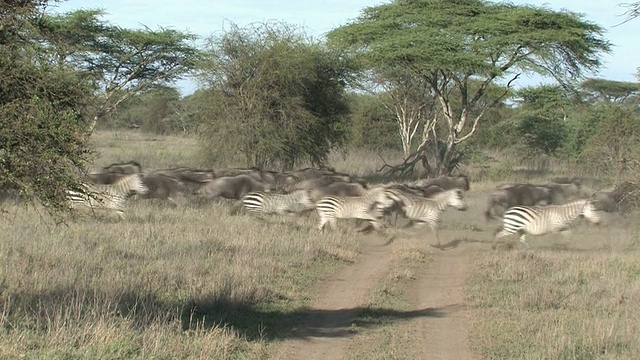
(525, 208)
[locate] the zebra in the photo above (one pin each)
(425, 210)
(269, 203)
(363, 207)
(107, 196)
(540, 220)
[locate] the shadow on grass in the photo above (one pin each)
(76, 307)
(264, 324)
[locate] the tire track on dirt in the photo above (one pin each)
(440, 288)
(326, 332)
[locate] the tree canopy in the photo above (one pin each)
(120, 62)
(610, 91)
(279, 96)
(42, 112)
(452, 45)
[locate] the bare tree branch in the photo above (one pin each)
(495, 102)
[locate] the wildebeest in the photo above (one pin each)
(232, 187)
(105, 178)
(130, 167)
(190, 178)
(162, 187)
(446, 182)
(322, 181)
(187, 174)
(253, 171)
(339, 189)
(274, 179)
(278, 180)
(312, 173)
(624, 197)
(519, 194)
(562, 193)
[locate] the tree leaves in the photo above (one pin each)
(279, 96)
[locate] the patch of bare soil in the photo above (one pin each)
(327, 331)
(439, 288)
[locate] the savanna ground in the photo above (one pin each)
(194, 282)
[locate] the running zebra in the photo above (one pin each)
(363, 207)
(270, 203)
(108, 196)
(540, 220)
(425, 210)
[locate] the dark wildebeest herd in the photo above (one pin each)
(525, 208)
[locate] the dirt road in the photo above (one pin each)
(437, 289)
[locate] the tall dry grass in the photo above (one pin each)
(189, 282)
(565, 296)
(545, 304)
(150, 150)
(194, 282)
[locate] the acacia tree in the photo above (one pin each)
(452, 45)
(277, 97)
(42, 113)
(120, 62)
(405, 97)
(610, 91)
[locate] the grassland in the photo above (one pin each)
(194, 282)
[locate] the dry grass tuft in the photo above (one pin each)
(556, 305)
(191, 282)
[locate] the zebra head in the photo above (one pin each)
(388, 200)
(452, 198)
(304, 199)
(589, 212)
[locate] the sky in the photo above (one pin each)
(207, 17)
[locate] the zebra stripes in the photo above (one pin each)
(364, 207)
(426, 210)
(270, 203)
(540, 220)
(107, 196)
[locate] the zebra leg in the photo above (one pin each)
(376, 225)
(500, 233)
(172, 202)
(236, 207)
(523, 240)
(323, 222)
(434, 229)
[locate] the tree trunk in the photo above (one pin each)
(92, 126)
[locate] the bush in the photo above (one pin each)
(371, 126)
(542, 132)
(581, 126)
(43, 126)
(280, 98)
(615, 147)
